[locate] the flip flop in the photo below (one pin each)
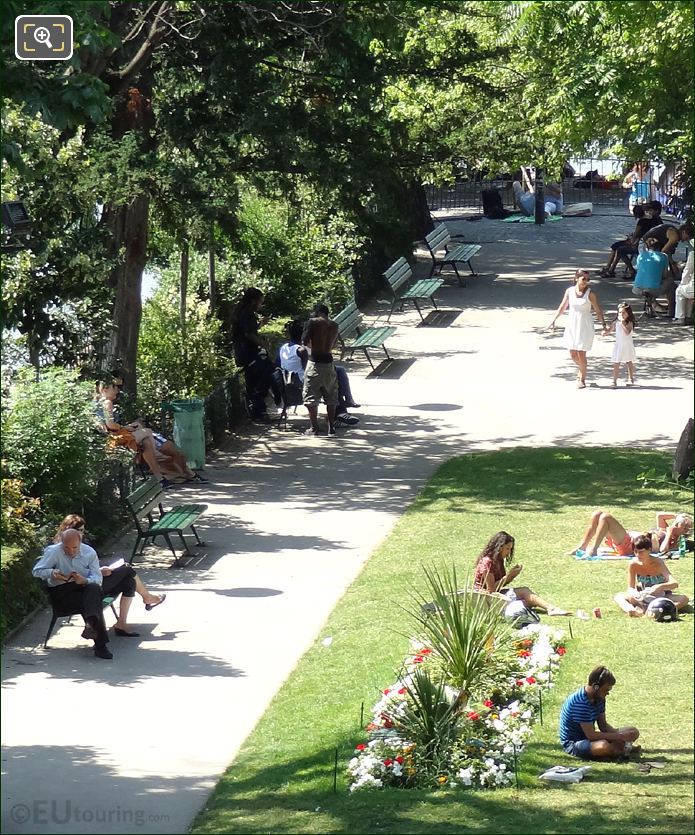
(150, 606)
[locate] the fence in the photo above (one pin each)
(597, 181)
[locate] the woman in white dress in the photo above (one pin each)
(624, 349)
(579, 333)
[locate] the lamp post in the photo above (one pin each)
(539, 216)
(16, 226)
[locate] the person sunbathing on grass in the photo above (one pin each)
(647, 579)
(586, 708)
(492, 577)
(605, 527)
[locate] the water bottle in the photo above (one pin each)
(682, 547)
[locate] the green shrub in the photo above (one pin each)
(50, 440)
(17, 510)
(21, 593)
(172, 364)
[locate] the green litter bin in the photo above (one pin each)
(189, 433)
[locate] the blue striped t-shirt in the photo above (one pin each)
(577, 708)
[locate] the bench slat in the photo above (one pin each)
(178, 518)
(373, 337)
(462, 253)
(423, 289)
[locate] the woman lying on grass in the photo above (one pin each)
(585, 708)
(491, 576)
(647, 578)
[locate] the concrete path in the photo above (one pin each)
(140, 744)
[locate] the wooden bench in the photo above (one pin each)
(398, 277)
(144, 501)
(439, 239)
(353, 336)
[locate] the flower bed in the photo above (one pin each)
(471, 744)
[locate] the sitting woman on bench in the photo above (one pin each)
(122, 580)
(165, 460)
(492, 576)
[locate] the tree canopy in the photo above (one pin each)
(144, 144)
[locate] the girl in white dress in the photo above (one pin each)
(624, 350)
(579, 333)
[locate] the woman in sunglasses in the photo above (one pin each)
(584, 730)
(122, 580)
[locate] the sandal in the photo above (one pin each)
(197, 477)
(604, 273)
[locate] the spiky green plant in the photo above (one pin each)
(466, 631)
(429, 720)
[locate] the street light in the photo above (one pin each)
(16, 226)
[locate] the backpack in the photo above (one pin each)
(519, 615)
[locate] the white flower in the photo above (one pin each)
(465, 775)
(499, 726)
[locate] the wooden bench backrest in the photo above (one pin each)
(398, 274)
(348, 320)
(438, 239)
(144, 496)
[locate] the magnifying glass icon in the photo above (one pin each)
(42, 35)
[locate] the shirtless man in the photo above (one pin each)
(320, 379)
(602, 525)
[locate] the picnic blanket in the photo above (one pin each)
(528, 218)
(610, 554)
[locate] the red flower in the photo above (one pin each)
(402, 691)
(530, 680)
(400, 760)
(523, 653)
(360, 747)
(528, 642)
(388, 761)
(418, 659)
(519, 683)
(425, 651)
(386, 692)
(371, 726)
(488, 703)
(473, 716)
(561, 650)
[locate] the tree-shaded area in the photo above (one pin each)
(140, 149)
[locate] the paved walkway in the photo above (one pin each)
(140, 744)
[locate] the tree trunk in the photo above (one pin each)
(183, 290)
(129, 227)
(683, 460)
(212, 276)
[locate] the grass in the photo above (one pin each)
(282, 780)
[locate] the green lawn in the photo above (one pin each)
(282, 779)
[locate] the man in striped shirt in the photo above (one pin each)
(585, 709)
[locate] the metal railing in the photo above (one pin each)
(597, 181)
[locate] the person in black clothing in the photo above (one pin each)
(250, 353)
(648, 216)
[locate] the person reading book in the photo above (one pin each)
(117, 578)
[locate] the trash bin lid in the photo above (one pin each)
(194, 404)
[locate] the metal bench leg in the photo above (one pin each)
(197, 538)
(393, 307)
(417, 306)
(462, 281)
(470, 267)
(434, 303)
(171, 547)
(366, 353)
(386, 352)
(54, 620)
